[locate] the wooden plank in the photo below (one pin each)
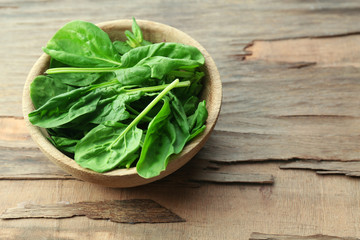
(121, 211)
(324, 52)
(23, 163)
(275, 112)
(261, 236)
(299, 203)
(223, 177)
(351, 169)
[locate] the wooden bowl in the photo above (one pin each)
(121, 178)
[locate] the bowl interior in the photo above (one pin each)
(154, 32)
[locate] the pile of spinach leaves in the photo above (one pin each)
(119, 104)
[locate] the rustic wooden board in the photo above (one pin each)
(278, 108)
(121, 211)
(351, 169)
(261, 236)
(223, 177)
(299, 203)
(276, 112)
(337, 51)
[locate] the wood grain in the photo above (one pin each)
(124, 211)
(223, 177)
(299, 203)
(261, 236)
(22, 160)
(351, 169)
(276, 112)
(337, 51)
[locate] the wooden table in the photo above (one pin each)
(291, 95)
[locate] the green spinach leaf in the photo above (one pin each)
(122, 47)
(44, 88)
(169, 50)
(83, 44)
(114, 108)
(64, 144)
(76, 79)
(108, 146)
(197, 120)
(65, 108)
(167, 134)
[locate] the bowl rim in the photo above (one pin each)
(69, 165)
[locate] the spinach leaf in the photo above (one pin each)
(105, 77)
(44, 88)
(64, 144)
(190, 105)
(193, 90)
(65, 107)
(167, 134)
(137, 31)
(179, 120)
(155, 61)
(197, 120)
(160, 65)
(197, 132)
(151, 67)
(135, 38)
(82, 44)
(132, 41)
(137, 75)
(169, 50)
(108, 146)
(158, 144)
(77, 132)
(77, 79)
(56, 64)
(114, 108)
(122, 47)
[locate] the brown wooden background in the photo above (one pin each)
(291, 84)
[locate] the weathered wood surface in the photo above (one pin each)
(291, 82)
(22, 160)
(351, 169)
(121, 211)
(223, 177)
(261, 236)
(275, 111)
(299, 203)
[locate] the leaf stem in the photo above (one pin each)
(148, 119)
(80, 70)
(146, 110)
(158, 87)
(105, 84)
